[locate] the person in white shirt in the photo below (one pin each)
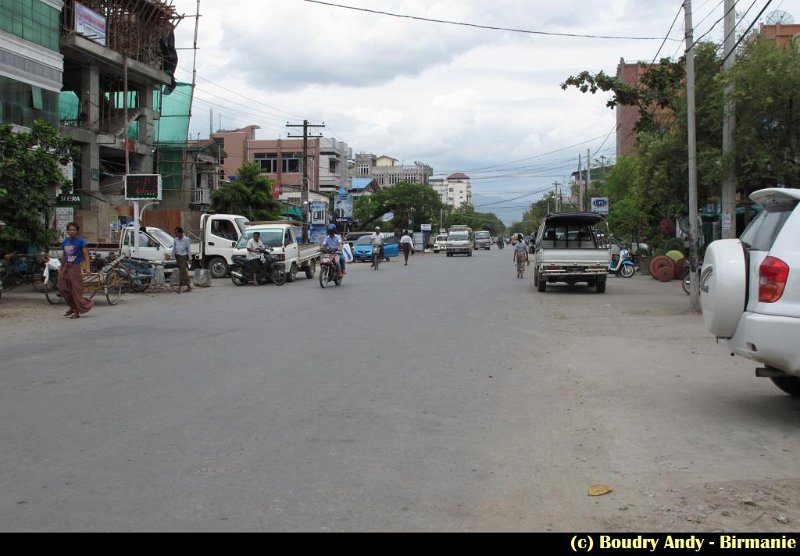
(254, 248)
(376, 239)
(407, 244)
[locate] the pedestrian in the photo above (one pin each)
(70, 277)
(520, 256)
(376, 240)
(407, 244)
(182, 252)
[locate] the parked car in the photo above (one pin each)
(751, 289)
(352, 237)
(362, 251)
(440, 244)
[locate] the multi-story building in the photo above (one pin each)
(119, 57)
(455, 190)
(281, 160)
(388, 172)
(31, 65)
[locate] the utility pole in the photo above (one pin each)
(304, 184)
(694, 296)
(588, 177)
(728, 208)
(580, 181)
(556, 196)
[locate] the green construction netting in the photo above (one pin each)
(170, 131)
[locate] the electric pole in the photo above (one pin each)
(728, 208)
(304, 184)
(580, 181)
(588, 177)
(694, 296)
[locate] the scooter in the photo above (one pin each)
(327, 269)
(267, 269)
(624, 265)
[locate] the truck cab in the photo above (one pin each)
(483, 240)
(219, 234)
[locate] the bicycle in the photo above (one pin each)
(17, 269)
(686, 280)
(377, 252)
(140, 272)
(110, 280)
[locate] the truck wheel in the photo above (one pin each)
(291, 276)
(600, 286)
(541, 283)
(218, 267)
(278, 276)
(311, 270)
(789, 384)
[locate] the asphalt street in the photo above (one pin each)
(442, 396)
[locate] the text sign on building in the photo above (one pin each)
(600, 205)
(90, 24)
(143, 187)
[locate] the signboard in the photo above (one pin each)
(90, 24)
(600, 205)
(343, 210)
(425, 227)
(69, 200)
(143, 187)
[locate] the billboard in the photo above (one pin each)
(90, 24)
(600, 205)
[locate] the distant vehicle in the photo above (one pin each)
(440, 244)
(352, 237)
(459, 242)
(363, 248)
(751, 289)
(482, 240)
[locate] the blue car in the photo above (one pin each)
(362, 250)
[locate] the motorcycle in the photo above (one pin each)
(267, 269)
(327, 269)
(501, 243)
(623, 266)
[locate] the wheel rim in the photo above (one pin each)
(113, 288)
(323, 276)
(279, 276)
(627, 271)
(218, 268)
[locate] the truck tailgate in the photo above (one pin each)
(575, 256)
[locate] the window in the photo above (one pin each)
(291, 165)
(268, 162)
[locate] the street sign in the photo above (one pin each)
(425, 227)
(143, 187)
(600, 205)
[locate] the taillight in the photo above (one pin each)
(772, 277)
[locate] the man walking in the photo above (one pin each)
(407, 244)
(182, 252)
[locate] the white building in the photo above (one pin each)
(455, 190)
(388, 172)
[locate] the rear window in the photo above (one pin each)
(761, 233)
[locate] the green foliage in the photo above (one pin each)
(766, 82)
(30, 179)
(467, 215)
(408, 201)
(249, 195)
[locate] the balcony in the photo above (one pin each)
(201, 197)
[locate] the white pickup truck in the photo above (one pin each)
(281, 237)
(219, 235)
(154, 245)
(571, 247)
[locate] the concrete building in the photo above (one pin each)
(455, 190)
(114, 49)
(31, 65)
(388, 172)
(281, 160)
(783, 34)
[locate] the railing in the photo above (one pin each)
(201, 197)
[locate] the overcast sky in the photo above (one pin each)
(460, 98)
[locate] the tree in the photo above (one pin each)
(250, 194)
(766, 82)
(408, 201)
(30, 179)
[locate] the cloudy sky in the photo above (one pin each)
(481, 98)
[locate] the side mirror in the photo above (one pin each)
(233, 244)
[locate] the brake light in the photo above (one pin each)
(772, 277)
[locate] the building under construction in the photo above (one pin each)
(119, 65)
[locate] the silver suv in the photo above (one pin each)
(751, 289)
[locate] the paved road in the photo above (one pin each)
(442, 396)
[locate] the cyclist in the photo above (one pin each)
(376, 239)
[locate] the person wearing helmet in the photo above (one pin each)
(333, 242)
(376, 239)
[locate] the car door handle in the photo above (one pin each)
(211, 243)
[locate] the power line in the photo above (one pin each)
(478, 26)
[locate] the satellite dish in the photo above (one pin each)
(779, 17)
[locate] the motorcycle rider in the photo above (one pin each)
(333, 242)
(254, 249)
